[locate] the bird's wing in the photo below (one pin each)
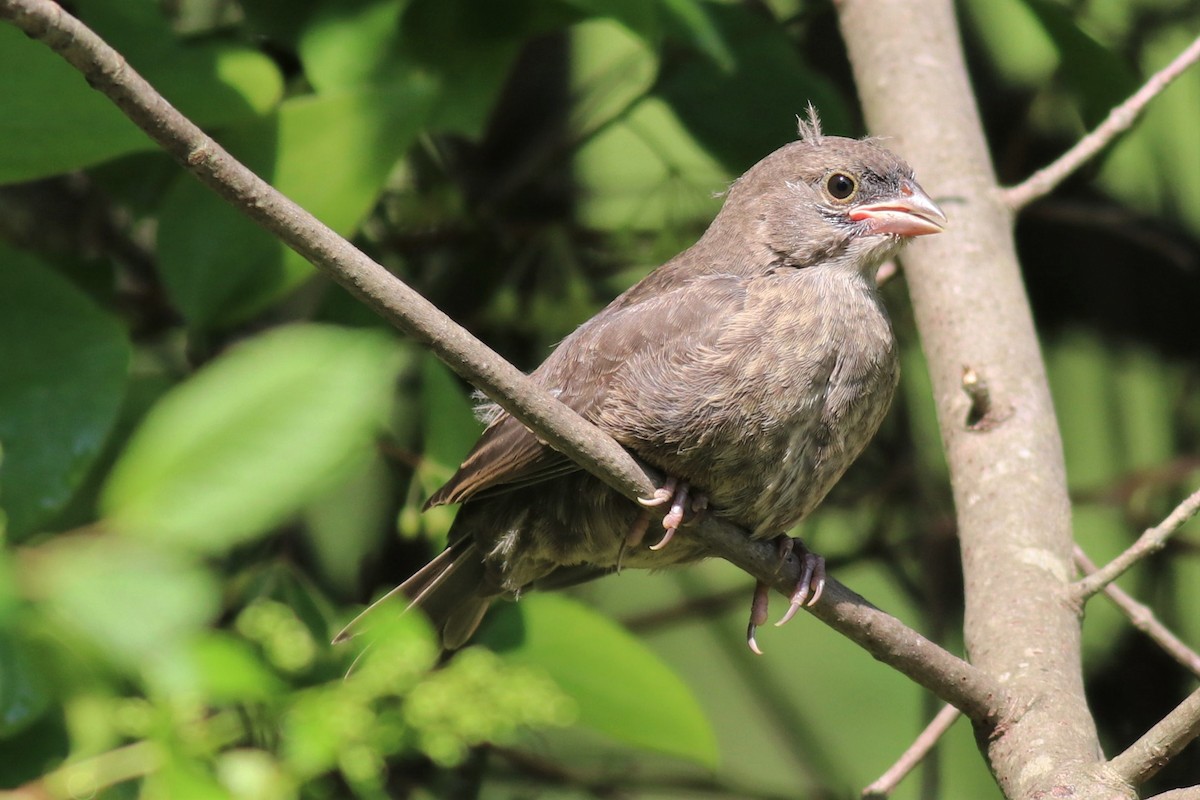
(579, 372)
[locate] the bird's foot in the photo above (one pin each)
(679, 494)
(758, 614)
(806, 592)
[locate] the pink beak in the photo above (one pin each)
(911, 213)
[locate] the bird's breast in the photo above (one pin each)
(768, 415)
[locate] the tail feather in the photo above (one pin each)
(447, 589)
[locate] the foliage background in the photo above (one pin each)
(212, 457)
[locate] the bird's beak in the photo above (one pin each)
(909, 213)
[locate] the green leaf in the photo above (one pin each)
(1155, 168)
(694, 18)
(611, 70)
(63, 370)
(330, 153)
(622, 689)
(449, 423)
(346, 523)
(1017, 43)
(647, 172)
(24, 690)
(221, 668)
(469, 48)
(213, 83)
(351, 43)
(132, 599)
(244, 443)
(1094, 73)
(696, 87)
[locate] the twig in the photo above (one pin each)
(1151, 541)
(1155, 749)
(886, 638)
(916, 752)
(1144, 620)
(1119, 120)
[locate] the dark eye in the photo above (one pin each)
(840, 186)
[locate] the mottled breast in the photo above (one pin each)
(767, 413)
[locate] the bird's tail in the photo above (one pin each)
(447, 589)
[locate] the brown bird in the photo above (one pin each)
(752, 369)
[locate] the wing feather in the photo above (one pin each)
(658, 329)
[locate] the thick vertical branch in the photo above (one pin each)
(1007, 468)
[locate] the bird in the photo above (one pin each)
(751, 370)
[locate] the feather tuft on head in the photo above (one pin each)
(810, 129)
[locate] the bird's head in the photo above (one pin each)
(833, 202)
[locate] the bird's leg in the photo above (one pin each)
(812, 576)
(806, 592)
(637, 532)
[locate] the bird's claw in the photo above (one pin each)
(809, 588)
(758, 615)
(661, 495)
(807, 591)
(678, 493)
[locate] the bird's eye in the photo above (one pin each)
(840, 186)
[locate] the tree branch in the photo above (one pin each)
(884, 637)
(1007, 470)
(1119, 120)
(1144, 620)
(925, 741)
(1157, 746)
(1151, 541)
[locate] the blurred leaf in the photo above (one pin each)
(181, 778)
(330, 153)
(641, 18)
(1080, 375)
(346, 523)
(213, 83)
(63, 370)
(469, 48)
(1146, 393)
(254, 775)
(24, 691)
(352, 42)
(1097, 76)
(223, 669)
(448, 421)
(646, 172)
(623, 690)
(1017, 42)
(449, 429)
(714, 104)
(244, 443)
(1155, 168)
(695, 18)
(1182, 618)
(611, 69)
(132, 599)
(35, 750)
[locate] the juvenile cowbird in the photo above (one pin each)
(751, 369)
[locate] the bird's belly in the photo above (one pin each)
(767, 461)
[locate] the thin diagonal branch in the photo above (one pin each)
(1144, 620)
(1151, 541)
(915, 754)
(1119, 120)
(883, 636)
(1155, 749)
